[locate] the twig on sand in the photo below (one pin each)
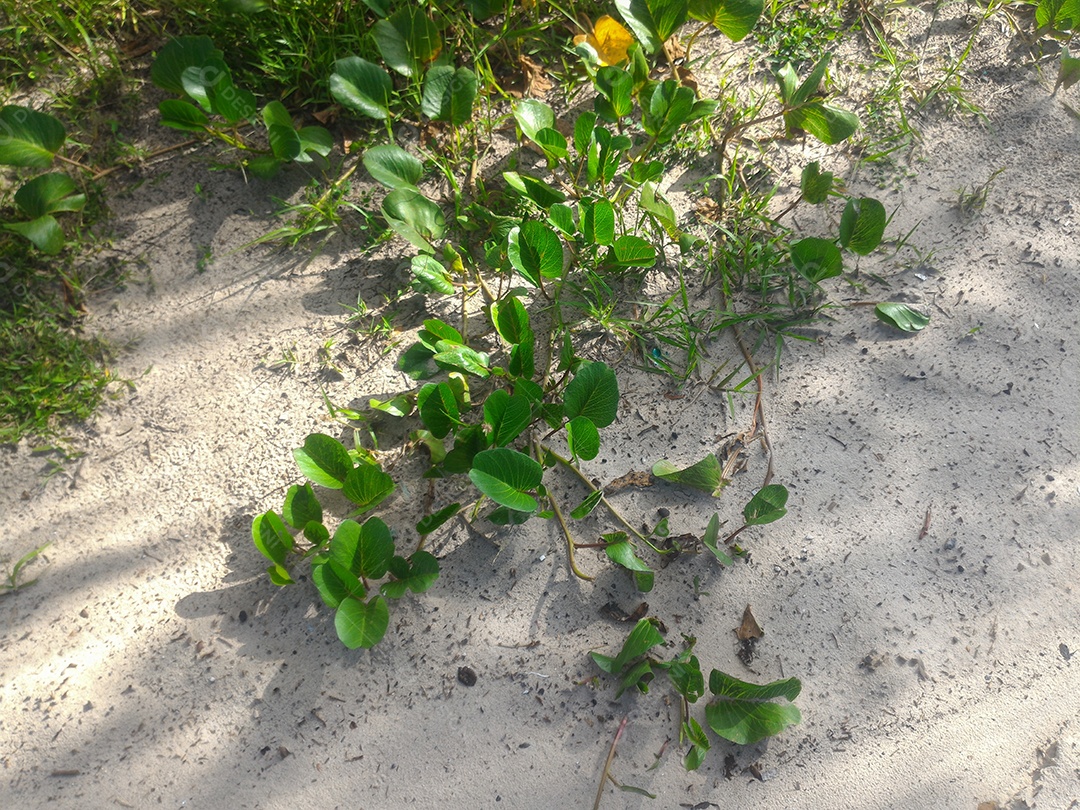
(607, 764)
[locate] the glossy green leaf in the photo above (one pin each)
(465, 360)
(232, 103)
(414, 217)
(583, 438)
(768, 505)
(539, 192)
(284, 142)
(430, 523)
(734, 18)
(49, 194)
(431, 275)
(467, 443)
(335, 583)
(653, 21)
(710, 538)
(360, 624)
(29, 138)
(365, 550)
(271, 537)
(407, 40)
(817, 259)
(323, 461)
(642, 638)
(553, 143)
(393, 166)
(862, 225)
(535, 251)
(815, 184)
(416, 574)
(583, 509)
(620, 551)
(438, 408)
(448, 94)
(744, 712)
(314, 140)
(507, 416)
(511, 320)
(631, 251)
(828, 124)
(705, 475)
(362, 86)
(177, 56)
(279, 575)
(593, 393)
(301, 506)
(532, 116)
(183, 115)
(901, 316)
(669, 107)
(615, 86)
(598, 223)
(506, 476)
(367, 486)
(1058, 15)
(417, 362)
(44, 232)
(699, 744)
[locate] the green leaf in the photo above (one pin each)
(652, 201)
(687, 679)
(535, 251)
(316, 534)
(828, 124)
(414, 217)
(615, 86)
(507, 415)
(263, 166)
(362, 625)
(709, 540)
(622, 553)
(562, 217)
(279, 575)
(271, 537)
(430, 274)
(538, 191)
(1068, 71)
(416, 574)
(367, 486)
(511, 320)
(631, 251)
(594, 393)
(45, 232)
(407, 40)
(533, 116)
(334, 583)
(314, 139)
(586, 506)
(642, 638)
(365, 550)
(583, 438)
(401, 405)
(598, 224)
(362, 86)
(284, 142)
(1059, 15)
(430, 523)
(743, 713)
(815, 184)
(506, 476)
(768, 505)
(463, 359)
(734, 18)
(323, 460)
(699, 744)
(449, 94)
(553, 143)
(812, 82)
(816, 259)
(436, 331)
(862, 225)
(438, 408)
(509, 517)
(416, 362)
(29, 138)
(669, 107)
(48, 194)
(901, 316)
(177, 56)
(653, 21)
(301, 506)
(393, 166)
(583, 131)
(231, 102)
(183, 115)
(705, 475)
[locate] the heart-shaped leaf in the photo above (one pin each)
(367, 486)
(29, 138)
(816, 259)
(862, 224)
(734, 18)
(45, 232)
(414, 217)
(744, 712)
(593, 393)
(177, 56)
(301, 506)
(48, 194)
(393, 166)
(901, 316)
(335, 583)
(324, 461)
(362, 86)
(438, 408)
(363, 549)
(507, 416)
(506, 476)
(360, 624)
(448, 94)
(767, 505)
(535, 251)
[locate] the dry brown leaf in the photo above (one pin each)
(536, 81)
(749, 628)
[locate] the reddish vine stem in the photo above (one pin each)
(607, 764)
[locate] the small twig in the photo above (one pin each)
(759, 406)
(607, 765)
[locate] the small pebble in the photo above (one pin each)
(466, 676)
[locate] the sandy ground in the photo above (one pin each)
(154, 665)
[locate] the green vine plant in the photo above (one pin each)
(32, 139)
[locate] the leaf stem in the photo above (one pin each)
(607, 763)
